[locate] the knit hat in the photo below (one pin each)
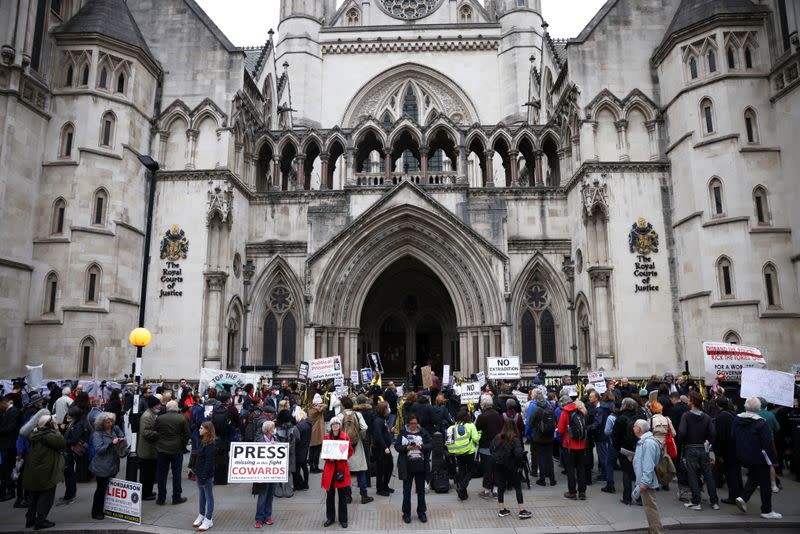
(153, 401)
(337, 420)
(317, 399)
(361, 399)
(642, 392)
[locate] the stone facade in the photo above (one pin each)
(445, 182)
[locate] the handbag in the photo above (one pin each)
(123, 449)
(672, 449)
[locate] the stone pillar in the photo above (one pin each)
(350, 173)
(513, 155)
(576, 150)
(603, 320)
(352, 350)
(594, 141)
(215, 287)
(323, 179)
(252, 170)
(163, 139)
(238, 150)
(301, 171)
(22, 22)
(423, 163)
(652, 137)
(488, 180)
(277, 179)
(461, 163)
(387, 164)
(537, 157)
(563, 168)
(463, 352)
(622, 139)
(191, 148)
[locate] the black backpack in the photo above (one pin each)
(440, 479)
(253, 429)
(547, 421)
(577, 426)
(221, 419)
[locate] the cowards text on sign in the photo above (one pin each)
(258, 462)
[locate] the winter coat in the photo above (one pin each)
(106, 460)
(358, 460)
(723, 445)
(660, 425)
(751, 438)
(369, 415)
(204, 463)
(602, 411)
(148, 437)
(60, 409)
(402, 458)
(317, 414)
(696, 428)
(563, 426)
(173, 433)
(441, 418)
(514, 459)
(489, 423)
(287, 433)
(676, 412)
(381, 437)
(424, 412)
(645, 459)
(44, 464)
(9, 428)
(301, 448)
(622, 437)
(331, 466)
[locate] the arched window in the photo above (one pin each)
(750, 125)
(103, 80)
(521, 3)
(288, 339)
(70, 75)
(748, 58)
(93, 284)
(732, 338)
(731, 58)
(86, 356)
(717, 201)
(693, 68)
(99, 207)
(85, 75)
(528, 338)
(121, 82)
(353, 17)
(761, 205)
(725, 275)
(67, 138)
(465, 14)
(270, 355)
(548, 332)
(771, 286)
(410, 107)
(59, 210)
(107, 129)
(712, 61)
(707, 111)
(50, 293)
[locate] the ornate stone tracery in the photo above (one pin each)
(409, 9)
(595, 198)
(220, 202)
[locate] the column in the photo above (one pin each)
(513, 155)
(576, 150)
(488, 180)
(301, 172)
(622, 139)
(349, 174)
(215, 285)
(238, 149)
(537, 157)
(323, 181)
(163, 138)
(252, 170)
(387, 164)
(277, 179)
(652, 137)
(461, 164)
(22, 22)
(191, 148)
(352, 350)
(601, 278)
(594, 141)
(423, 163)
(463, 352)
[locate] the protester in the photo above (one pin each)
(603, 409)
(146, 447)
(390, 396)
(381, 450)
(336, 478)
(489, 423)
(304, 429)
(572, 426)
(697, 434)
(645, 459)
(265, 491)
(286, 432)
(44, 471)
(114, 405)
(61, 406)
(204, 469)
(624, 442)
(9, 431)
(508, 456)
(173, 434)
(541, 428)
(364, 408)
(725, 451)
(661, 427)
(31, 415)
(354, 426)
(317, 414)
(462, 442)
(414, 445)
(106, 440)
(76, 435)
(752, 441)
(774, 427)
(612, 456)
(97, 409)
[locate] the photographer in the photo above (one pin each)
(44, 470)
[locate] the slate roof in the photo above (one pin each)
(692, 12)
(251, 56)
(110, 18)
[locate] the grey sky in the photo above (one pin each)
(246, 22)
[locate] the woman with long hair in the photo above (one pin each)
(507, 456)
(336, 477)
(204, 470)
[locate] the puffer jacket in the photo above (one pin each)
(44, 464)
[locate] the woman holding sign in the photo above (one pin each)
(266, 491)
(336, 474)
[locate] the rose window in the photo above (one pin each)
(536, 297)
(409, 9)
(280, 299)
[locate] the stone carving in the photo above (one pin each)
(536, 297)
(409, 9)
(174, 245)
(595, 197)
(220, 203)
(280, 299)
(643, 239)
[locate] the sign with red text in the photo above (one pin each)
(325, 369)
(258, 462)
(123, 501)
(728, 360)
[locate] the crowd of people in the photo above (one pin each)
(653, 435)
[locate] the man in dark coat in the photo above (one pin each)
(45, 469)
(173, 434)
(724, 450)
(489, 424)
(9, 431)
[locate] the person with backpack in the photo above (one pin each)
(364, 407)
(76, 435)
(354, 426)
(507, 457)
(204, 468)
(301, 450)
(381, 449)
(336, 477)
(572, 426)
(317, 414)
(265, 491)
(541, 431)
(624, 442)
(146, 448)
(286, 432)
(414, 445)
(462, 442)
(697, 434)
(107, 439)
(647, 455)
(173, 434)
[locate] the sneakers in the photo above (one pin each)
(207, 524)
(199, 520)
(772, 515)
(581, 496)
(504, 512)
(541, 482)
(485, 495)
(715, 506)
(691, 506)
(268, 522)
(524, 514)
(775, 489)
(259, 524)
(64, 502)
(741, 505)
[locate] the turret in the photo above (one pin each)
(521, 22)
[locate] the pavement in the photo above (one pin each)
(305, 513)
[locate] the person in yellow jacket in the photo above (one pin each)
(462, 442)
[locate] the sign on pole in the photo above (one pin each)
(325, 369)
(445, 375)
(503, 368)
(334, 449)
(123, 501)
(775, 386)
(598, 381)
(302, 372)
(258, 462)
(470, 392)
(481, 376)
(366, 375)
(728, 360)
(354, 377)
(375, 362)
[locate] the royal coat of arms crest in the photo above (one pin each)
(174, 245)
(643, 239)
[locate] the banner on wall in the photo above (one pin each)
(325, 369)
(214, 378)
(502, 368)
(728, 360)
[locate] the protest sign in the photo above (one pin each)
(600, 387)
(596, 376)
(258, 462)
(214, 378)
(375, 362)
(427, 376)
(728, 360)
(334, 449)
(33, 378)
(445, 375)
(366, 375)
(400, 392)
(521, 397)
(342, 391)
(325, 369)
(572, 390)
(302, 372)
(123, 501)
(354, 377)
(481, 376)
(775, 386)
(503, 368)
(470, 392)
(338, 381)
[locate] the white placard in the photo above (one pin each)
(33, 378)
(334, 449)
(775, 386)
(325, 369)
(600, 387)
(470, 392)
(258, 462)
(354, 377)
(366, 376)
(215, 378)
(572, 390)
(522, 398)
(342, 391)
(502, 368)
(207, 410)
(728, 360)
(445, 375)
(481, 376)
(338, 381)
(123, 501)
(596, 376)
(399, 391)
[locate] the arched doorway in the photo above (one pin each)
(409, 317)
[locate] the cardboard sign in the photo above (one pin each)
(729, 360)
(470, 392)
(333, 449)
(503, 368)
(427, 376)
(366, 375)
(302, 372)
(572, 390)
(481, 378)
(338, 381)
(596, 376)
(775, 386)
(214, 378)
(600, 387)
(354, 377)
(342, 391)
(445, 375)
(325, 369)
(258, 462)
(399, 391)
(123, 501)
(375, 362)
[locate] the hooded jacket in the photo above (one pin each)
(696, 428)
(563, 429)
(44, 465)
(752, 439)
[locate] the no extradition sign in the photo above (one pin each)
(470, 392)
(503, 368)
(258, 462)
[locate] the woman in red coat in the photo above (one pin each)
(336, 477)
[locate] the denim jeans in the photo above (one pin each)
(206, 498)
(697, 463)
(361, 476)
(602, 462)
(390, 420)
(628, 475)
(165, 463)
(417, 479)
(264, 505)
